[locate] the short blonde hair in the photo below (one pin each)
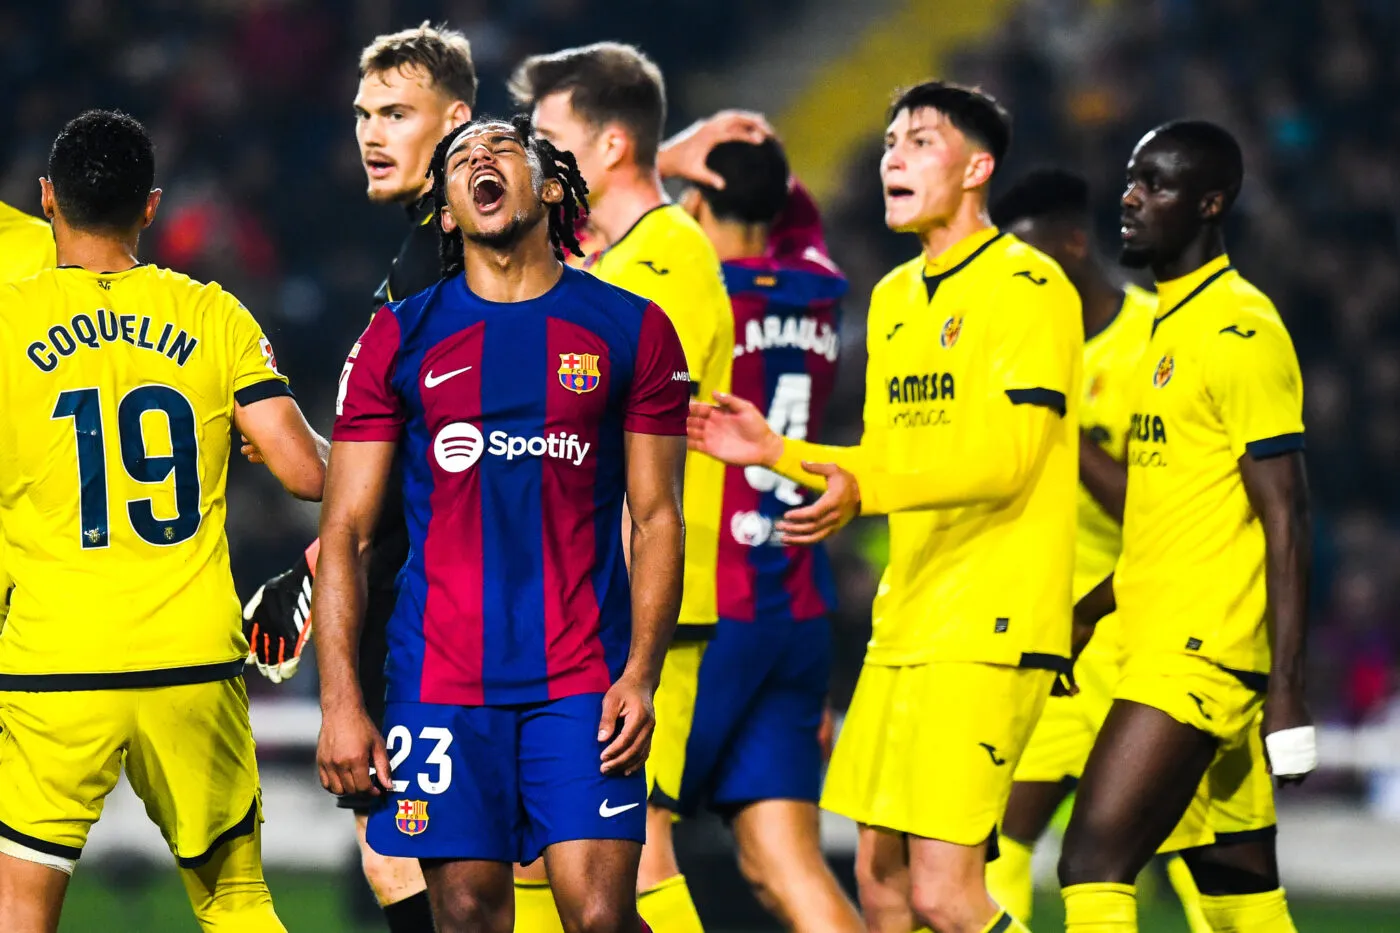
(445, 54)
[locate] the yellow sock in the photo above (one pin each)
(1003, 922)
(1009, 879)
(1185, 886)
(1255, 913)
(1100, 908)
(667, 907)
(534, 908)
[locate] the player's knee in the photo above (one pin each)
(600, 914)
(457, 910)
(764, 878)
(391, 879)
(1089, 855)
(941, 905)
(879, 887)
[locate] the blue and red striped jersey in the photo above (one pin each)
(786, 343)
(510, 420)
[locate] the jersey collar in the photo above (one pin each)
(1175, 294)
(957, 257)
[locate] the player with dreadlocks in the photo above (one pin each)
(524, 401)
(553, 164)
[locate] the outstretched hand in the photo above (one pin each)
(732, 430)
(832, 511)
(684, 155)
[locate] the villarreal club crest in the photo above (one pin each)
(412, 817)
(578, 372)
(952, 329)
(1165, 367)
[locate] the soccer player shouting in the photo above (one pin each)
(970, 445)
(1211, 588)
(606, 104)
(524, 400)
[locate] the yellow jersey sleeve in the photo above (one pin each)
(1253, 378)
(26, 245)
(254, 363)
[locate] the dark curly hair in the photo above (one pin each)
(558, 164)
(103, 167)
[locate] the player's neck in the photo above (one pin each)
(1101, 300)
(737, 241)
(96, 252)
(524, 271)
(1207, 246)
(970, 218)
(629, 196)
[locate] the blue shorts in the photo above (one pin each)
(501, 783)
(759, 696)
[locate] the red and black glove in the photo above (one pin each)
(277, 620)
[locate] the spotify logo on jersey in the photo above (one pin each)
(458, 446)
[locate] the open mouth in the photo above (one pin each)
(488, 192)
(1128, 229)
(896, 193)
(378, 166)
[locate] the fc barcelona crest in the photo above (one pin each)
(412, 817)
(952, 328)
(1165, 367)
(578, 372)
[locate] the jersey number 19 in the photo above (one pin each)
(84, 406)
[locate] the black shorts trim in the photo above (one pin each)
(1267, 447)
(689, 632)
(1042, 661)
(243, 827)
(365, 803)
(1254, 680)
(258, 391)
(659, 798)
(123, 680)
(1046, 398)
(1002, 925)
(1246, 835)
(39, 845)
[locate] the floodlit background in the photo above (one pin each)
(249, 101)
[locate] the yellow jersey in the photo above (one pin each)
(966, 354)
(666, 258)
(1110, 361)
(1219, 379)
(116, 410)
(26, 245)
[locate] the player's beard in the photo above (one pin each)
(512, 233)
(1135, 257)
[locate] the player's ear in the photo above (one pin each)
(1212, 205)
(553, 192)
(46, 198)
(152, 204)
(1077, 244)
(448, 222)
(615, 145)
(980, 165)
(692, 201)
(458, 114)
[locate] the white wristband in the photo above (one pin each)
(1292, 752)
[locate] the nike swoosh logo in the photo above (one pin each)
(890, 335)
(1234, 329)
(607, 812)
(430, 381)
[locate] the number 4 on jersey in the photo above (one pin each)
(788, 416)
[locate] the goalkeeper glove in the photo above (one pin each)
(277, 620)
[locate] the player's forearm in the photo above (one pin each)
(1288, 556)
(975, 470)
(658, 566)
(1091, 608)
(1105, 478)
(338, 602)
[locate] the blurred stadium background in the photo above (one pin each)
(249, 101)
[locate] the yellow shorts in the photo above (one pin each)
(1060, 744)
(675, 711)
(187, 750)
(1236, 796)
(930, 749)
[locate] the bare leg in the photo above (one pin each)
(659, 854)
(595, 884)
(948, 887)
(31, 896)
(470, 896)
(1031, 807)
(1141, 775)
(882, 880)
(1229, 867)
(780, 854)
(391, 879)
